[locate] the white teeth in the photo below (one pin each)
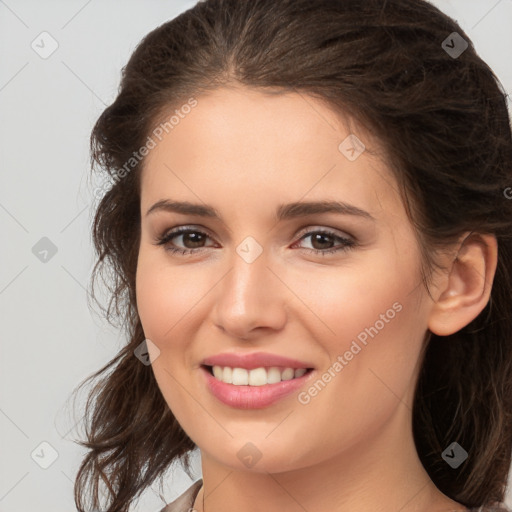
(227, 375)
(240, 377)
(256, 376)
(288, 374)
(273, 375)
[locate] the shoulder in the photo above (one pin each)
(185, 501)
(497, 507)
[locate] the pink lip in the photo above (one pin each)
(252, 397)
(255, 360)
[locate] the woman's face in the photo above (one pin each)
(355, 310)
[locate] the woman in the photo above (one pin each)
(309, 234)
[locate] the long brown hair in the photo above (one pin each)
(443, 121)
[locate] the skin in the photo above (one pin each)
(245, 152)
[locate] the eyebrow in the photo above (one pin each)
(283, 211)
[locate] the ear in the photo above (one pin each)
(464, 292)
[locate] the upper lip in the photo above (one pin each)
(254, 360)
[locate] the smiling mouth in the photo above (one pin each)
(256, 376)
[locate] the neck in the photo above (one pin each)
(380, 472)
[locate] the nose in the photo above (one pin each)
(250, 299)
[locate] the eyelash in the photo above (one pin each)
(167, 237)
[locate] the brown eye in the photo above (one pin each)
(192, 240)
(322, 242)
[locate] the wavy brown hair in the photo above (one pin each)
(444, 124)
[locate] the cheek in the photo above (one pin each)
(372, 366)
(150, 285)
(370, 318)
(165, 297)
(340, 302)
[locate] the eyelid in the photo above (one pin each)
(180, 228)
(345, 242)
(317, 228)
(176, 231)
(299, 234)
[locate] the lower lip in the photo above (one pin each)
(253, 397)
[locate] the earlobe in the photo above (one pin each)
(467, 286)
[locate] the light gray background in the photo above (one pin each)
(50, 340)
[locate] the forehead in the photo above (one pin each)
(239, 120)
(263, 146)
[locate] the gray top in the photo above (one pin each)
(185, 502)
